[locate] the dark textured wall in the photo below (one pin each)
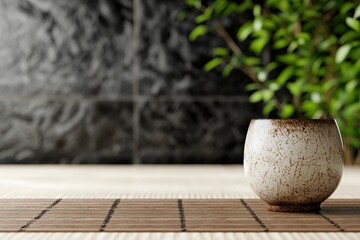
(113, 81)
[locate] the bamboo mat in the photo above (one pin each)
(171, 215)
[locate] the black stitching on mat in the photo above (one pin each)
(182, 215)
(329, 220)
(42, 213)
(109, 215)
(253, 214)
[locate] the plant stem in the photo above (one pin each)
(221, 31)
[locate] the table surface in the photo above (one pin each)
(147, 181)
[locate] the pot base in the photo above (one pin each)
(294, 208)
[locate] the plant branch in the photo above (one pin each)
(221, 31)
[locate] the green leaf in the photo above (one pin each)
(281, 43)
(245, 5)
(220, 51)
(301, 62)
(352, 110)
(236, 59)
(335, 106)
(220, 6)
(350, 86)
(315, 97)
(182, 15)
(309, 108)
(293, 46)
(287, 111)
(205, 16)
(284, 75)
(257, 10)
(310, 13)
(256, 97)
(327, 43)
(267, 94)
(353, 23)
(312, 87)
(258, 44)
(289, 58)
(349, 36)
(201, 18)
(194, 3)
(271, 66)
(303, 38)
(213, 64)
(251, 87)
(244, 31)
(258, 24)
(251, 61)
(269, 107)
(315, 66)
(346, 7)
(274, 86)
(270, 24)
(280, 33)
(198, 31)
(227, 70)
(342, 52)
(283, 5)
(357, 12)
(329, 85)
(296, 87)
(299, 73)
(318, 114)
(232, 7)
(262, 75)
(355, 52)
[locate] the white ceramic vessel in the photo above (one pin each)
(292, 164)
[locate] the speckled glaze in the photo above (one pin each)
(292, 164)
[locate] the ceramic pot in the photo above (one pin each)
(293, 164)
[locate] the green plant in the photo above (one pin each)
(302, 56)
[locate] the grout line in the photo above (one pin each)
(35, 219)
(137, 17)
(329, 220)
(134, 98)
(109, 215)
(182, 98)
(182, 215)
(253, 214)
(136, 133)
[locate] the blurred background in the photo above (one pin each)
(158, 82)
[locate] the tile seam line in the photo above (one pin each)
(332, 222)
(182, 215)
(39, 216)
(254, 215)
(139, 98)
(109, 215)
(135, 74)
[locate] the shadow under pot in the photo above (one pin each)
(293, 164)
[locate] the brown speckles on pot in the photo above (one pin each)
(293, 165)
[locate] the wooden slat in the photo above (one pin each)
(171, 215)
